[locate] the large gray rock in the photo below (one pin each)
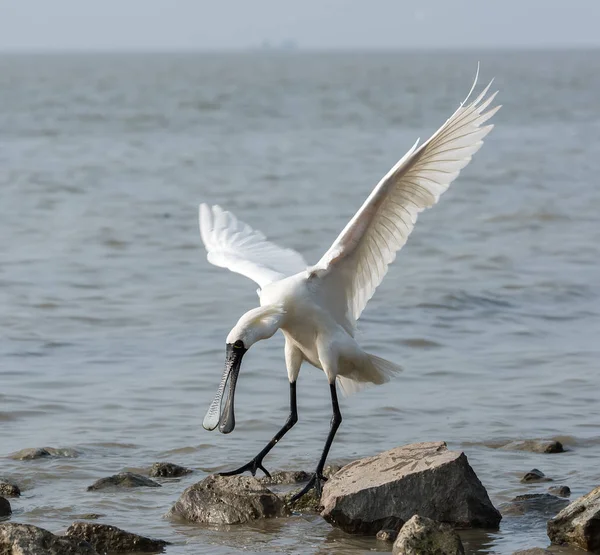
(535, 446)
(423, 536)
(5, 509)
(25, 539)
(33, 453)
(9, 490)
(228, 500)
(123, 480)
(104, 538)
(386, 490)
(579, 523)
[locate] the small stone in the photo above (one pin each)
(31, 454)
(423, 536)
(283, 477)
(561, 491)
(26, 539)
(578, 524)
(88, 516)
(123, 480)
(388, 489)
(5, 509)
(228, 500)
(535, 446)
(533, 551)
(535, 475)
(542, 503)
(9, 490)
(332, 469)
(104, 538)
(387, 535)
(168, 470)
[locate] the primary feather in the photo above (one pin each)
(356, 263)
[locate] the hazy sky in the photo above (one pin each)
(223, 24)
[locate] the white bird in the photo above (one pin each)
(317, 307)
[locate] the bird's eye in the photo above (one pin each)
(239, 344)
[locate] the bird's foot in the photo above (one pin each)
(315, 482)
(252, 467)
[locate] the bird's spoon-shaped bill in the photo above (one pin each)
(214, 416)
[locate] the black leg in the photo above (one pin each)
(317, 479)
(256, 462)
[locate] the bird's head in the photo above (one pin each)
(257, 324)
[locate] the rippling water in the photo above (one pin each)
(113, 324)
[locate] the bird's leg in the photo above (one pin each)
(317, 478)
(256, 462)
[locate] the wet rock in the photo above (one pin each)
(579, 523)
(25, 539)
(386, 490)
(44, 453)
(533, 551)
(89, 516)
(104, 538)
(123, 480)
(228, 500)
(543, 503)
(535, 475)
(561, 491)
(168, 470)
(308, 503)
(9, 490)
(5, 509)
(535, 446)
(423, 536)
(387, 535)
(282, 477)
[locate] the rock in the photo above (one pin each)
(308, 503)
(579, 523)
(168, 470)
(535, 446)
(123, 480)
(386, 490)
(533, 551)
(9, 490)
(331, 469)
(561, 491)
(228, 500)
(25, 539)
(387, 535)
(285, 477)
(543, 503)
(535, 475)
(104, 538)
(5, 509)
(88, 516)
(423, 536)
(44, 453)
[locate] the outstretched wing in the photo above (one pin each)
(358, 259)
(233, 244)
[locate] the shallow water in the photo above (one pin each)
(113, 324)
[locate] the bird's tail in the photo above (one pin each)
(376, 370)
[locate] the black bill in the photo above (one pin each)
(225, 419)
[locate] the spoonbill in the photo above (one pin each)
(317, 307)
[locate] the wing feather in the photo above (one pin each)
(359, 257)
(234, 245)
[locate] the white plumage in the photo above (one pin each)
(317, 307)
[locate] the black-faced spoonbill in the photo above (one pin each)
(317, 307)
